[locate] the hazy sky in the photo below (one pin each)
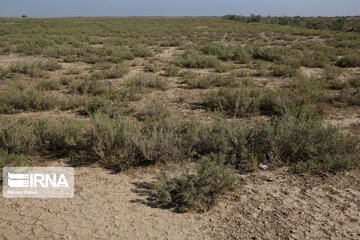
(66, 8)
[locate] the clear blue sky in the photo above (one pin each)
(68, 8)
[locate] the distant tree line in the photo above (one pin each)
(335, 24)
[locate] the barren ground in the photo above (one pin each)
(268, 205)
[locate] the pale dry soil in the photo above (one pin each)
(274, 204)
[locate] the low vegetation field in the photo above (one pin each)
(216, 96)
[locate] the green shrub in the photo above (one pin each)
(349, 61)
(195, 192)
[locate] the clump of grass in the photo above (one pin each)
(349, 61)
(193, 59)
(197, 192)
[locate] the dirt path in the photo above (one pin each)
(270, 205)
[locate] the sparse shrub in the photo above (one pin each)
(15, 99)
(73, 71)
(120, 142)
(152, 67)
(310, 89)
(284, 70)
(142, 51)
(17, 136)
(73, 102)
(193, 59)
(197, 192)
(27, 68)
(222, 52)
(61, 136)
(5, 73)
(144, 81)
(349, 61)
(50, 65)
(48, 85)
(120, 54)
(172, 70)
(210, 81)
(11, 160)
(355, 82)
(155, 110)
(314, 59)
(91, 87)
(66, 81)
(235, 101)
(351, 97)
(118, 71)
